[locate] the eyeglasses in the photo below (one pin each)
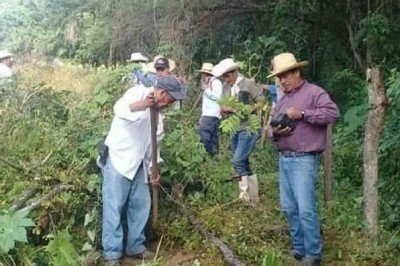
(160, 69)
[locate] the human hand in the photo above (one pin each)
(150, 100)
(225, 111)
(279, 131)
(294, 113)
(155, 179)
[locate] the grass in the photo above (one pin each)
(68, 77)
(256, 234)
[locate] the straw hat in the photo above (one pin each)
(206, 68)
(224, 66)
(284, 62)
(149, 68)
(137, 57)
(5, 54)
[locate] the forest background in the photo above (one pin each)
(53, 117)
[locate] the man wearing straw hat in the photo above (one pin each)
(6, 62)
(311, 109)
(209, 121)
(140, 74)
(243, 141)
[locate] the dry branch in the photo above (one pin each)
(229, 256)
(56, 190)
(27, 195)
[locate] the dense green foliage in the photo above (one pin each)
(52, 135)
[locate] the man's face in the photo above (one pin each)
(162, 71)
(290, 80)
(163, 98)
(230, 77)
(205, 77)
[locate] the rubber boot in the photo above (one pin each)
(244, 188)
(253, 188)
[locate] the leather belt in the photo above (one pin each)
(297, 153)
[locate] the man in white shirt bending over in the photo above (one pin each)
(125, 170)
(209, 121)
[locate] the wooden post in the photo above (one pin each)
(377, 101)
(328, 163)
(154, 164)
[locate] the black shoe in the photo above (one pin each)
(296, 255)
(145, 255)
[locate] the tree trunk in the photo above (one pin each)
(328, 163)
(376, 116)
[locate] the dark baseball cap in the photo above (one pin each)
(161, 63)
(172, 86)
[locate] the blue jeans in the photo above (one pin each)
(119, 194)
(297, 185)
(242, 144)
(208, 131)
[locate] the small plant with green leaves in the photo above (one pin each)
(240, 114)
(13, 229)
(61, 250)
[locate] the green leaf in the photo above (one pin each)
(87, 247)
(12, 229)
(91, 235)
(88, 219)
(61, 250)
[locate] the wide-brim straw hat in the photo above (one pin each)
(5, 54)
(138, 57)
(206, 68)
(224, 66)
(285, 62)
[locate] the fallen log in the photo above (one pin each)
(27, 195)
(54, 191)
(229, 256)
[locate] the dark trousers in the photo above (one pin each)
(208, 130)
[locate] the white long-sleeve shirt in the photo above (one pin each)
(212, 94)
(129, 138)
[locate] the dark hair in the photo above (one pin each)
(161, 63)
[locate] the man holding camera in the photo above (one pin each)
(303, 113)
(246, 91)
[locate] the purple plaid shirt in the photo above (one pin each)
(309, 134)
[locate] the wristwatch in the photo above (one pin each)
(303, 112)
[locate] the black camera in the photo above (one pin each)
(282, 120)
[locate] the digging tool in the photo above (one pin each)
(155, 178)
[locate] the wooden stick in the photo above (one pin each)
(154, 164)
(328, 164)
(229, 256)
(199, 97)
(56, 190)
(27, 195)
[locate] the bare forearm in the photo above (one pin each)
(138, 106)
